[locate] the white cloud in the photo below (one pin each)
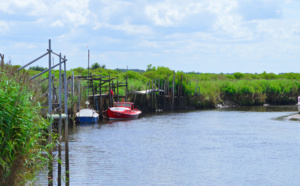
(57, 23)
(74, 13)
(172, 13)
(131, 29)
(33, 7)
(170, 31)
(4, 26)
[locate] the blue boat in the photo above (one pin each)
(87, 116)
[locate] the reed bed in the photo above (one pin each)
(22, 129)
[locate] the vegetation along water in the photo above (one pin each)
(206, 90)
(22, 128)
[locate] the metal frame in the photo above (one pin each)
(50, 170)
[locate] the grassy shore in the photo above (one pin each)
(240, 88)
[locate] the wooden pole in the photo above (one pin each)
(72, 85)
(72, 91)
(110, 102)
(79, 95)
(59, 125)
(165, 91)
(169, 98)
(2, 60)
(50, 171)
(118, 88)
(114, 91)
(155, 94)
(88, 73)
(92, 81)
(126, 89)
(66, 126)
(101, 109)
(173, 90)
(146, 106)
(180, 92)
(152, 99)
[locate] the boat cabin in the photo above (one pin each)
(124, 104)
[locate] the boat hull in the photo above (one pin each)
(87, 119)
(122, 115)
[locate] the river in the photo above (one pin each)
(241, 146)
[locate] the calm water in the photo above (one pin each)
(245, 146)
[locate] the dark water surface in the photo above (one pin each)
(244, 146)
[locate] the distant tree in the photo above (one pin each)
(95, 66)
(238, 75)
(37, 68)
(149, 67)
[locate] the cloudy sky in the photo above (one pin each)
(192, 35)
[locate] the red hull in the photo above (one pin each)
(115, 114)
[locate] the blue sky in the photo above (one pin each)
(211, 36)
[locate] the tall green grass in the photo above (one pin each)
(22, 129)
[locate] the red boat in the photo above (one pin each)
(122, 110)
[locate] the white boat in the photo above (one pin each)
(87, 116)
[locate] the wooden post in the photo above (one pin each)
(118, 88)
(180, 92)
(50, 171)
(72, 85)
(79, 95)
(72, 93)
(152, 95)
(2, 60)
(146, 106)
(88, 73)
(110, 103)
(165, 91)
(101, 109)
(155, 94)
(59, 125)
(126, 89)
(159, 93)
(66, 126)
(173, 91)
(168, 100)
(112, 96)
(93, 93)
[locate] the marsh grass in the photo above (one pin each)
(241, 88)
(22, 129)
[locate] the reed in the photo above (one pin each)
(22, 129)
